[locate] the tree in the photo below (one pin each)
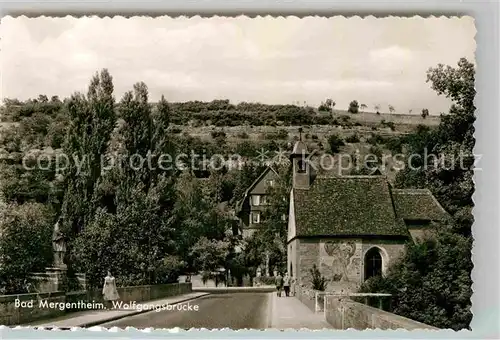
(195, 217)
(353, 107)
(209, 255)
(25, 245)
(42, 98)
(325, 107)
(391, 109)
(432, 282)
(363, 106)
(450, 180)
(425, 113)
(92, 120)
(444, 265)
(330, 103)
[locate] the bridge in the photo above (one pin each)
(181, 305)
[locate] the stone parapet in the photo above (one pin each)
(344, 313)
(27, 308)
(23, 308)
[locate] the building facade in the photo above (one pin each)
(251, 207)
(351, 227)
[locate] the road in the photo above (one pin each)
(234, 310)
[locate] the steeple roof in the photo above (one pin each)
(300, 148)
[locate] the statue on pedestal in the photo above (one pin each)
(58, 246)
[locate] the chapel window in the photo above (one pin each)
(373, 263)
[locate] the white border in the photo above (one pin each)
(486, 299)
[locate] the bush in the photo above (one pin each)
(395, 144)
(280, 134)
(324, 108)
(376, 139)
(352, 138)
(246, 149)
(318, 281)
(218, 134)
(390, 125)
(335, 142)
(242, 135)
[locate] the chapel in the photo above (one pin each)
(351, 227)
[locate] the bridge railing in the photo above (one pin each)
(343, 312)
(320, 298)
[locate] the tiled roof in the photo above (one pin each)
(417, 204)
(347, 206)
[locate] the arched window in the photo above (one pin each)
(301, 165)
(373, 263)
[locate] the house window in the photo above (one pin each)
(270, 182)
(373, 263)
(255, 200)
(255, 217)
(263, 200)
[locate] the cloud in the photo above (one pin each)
(391, 54)
(270, 60)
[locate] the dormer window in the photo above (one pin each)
(255, 200)
(301, 165)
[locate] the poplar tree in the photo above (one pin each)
(92, 120)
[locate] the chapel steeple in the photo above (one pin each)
(300, 164)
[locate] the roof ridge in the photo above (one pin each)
(413, 191)
(351, 176)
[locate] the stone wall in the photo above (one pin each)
(391, 251)
(292, 258)
(26, 308)
(343, 313)
(308, 255)
(306, 296)
(53, 281)
(141, 293)
(340, 260)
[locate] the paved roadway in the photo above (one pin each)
(233, 310)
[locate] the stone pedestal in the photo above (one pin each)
(54, 280)
(51, 281)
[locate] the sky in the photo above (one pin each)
(268, 60)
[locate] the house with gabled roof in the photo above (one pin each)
(251, 207)
(351, 227)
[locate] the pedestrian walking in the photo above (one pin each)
(109, 291)
(279, 284)
(286, 284)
